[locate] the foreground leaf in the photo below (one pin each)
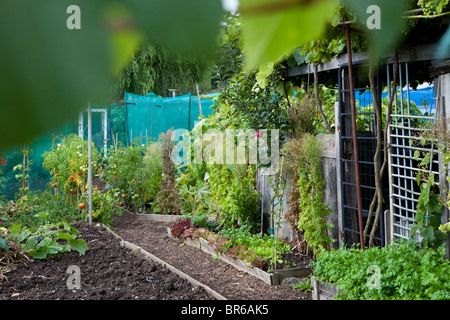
(272, 29)
(47, 72)
(190, 27)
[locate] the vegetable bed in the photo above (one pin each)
(107, 271)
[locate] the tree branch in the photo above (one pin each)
(316, 93)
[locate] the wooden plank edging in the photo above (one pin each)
(322, 290)
(236, 263)
(180, 273)
(157, 217)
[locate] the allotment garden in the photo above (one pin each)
(314, 173)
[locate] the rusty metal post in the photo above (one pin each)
(355, 137)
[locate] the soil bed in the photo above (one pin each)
(228, 281)
(107, 272)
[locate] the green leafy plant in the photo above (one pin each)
(263, 246)
(427, 218)
(433, 196)
(44, 241)
(24, 170)
(405, 273)
(303, 154)
(25, 210)
(103, 207)
(304, 286)
(67, 163)
(134, 173)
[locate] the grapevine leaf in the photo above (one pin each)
(426, 232)
(47, 71)
(285, 28)
(65, 236)
(416, 155)
(39, 253)
(30, 244)
(190, 27)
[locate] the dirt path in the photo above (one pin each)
(109, 271)
(220, 276)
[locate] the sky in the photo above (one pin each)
(230, 5)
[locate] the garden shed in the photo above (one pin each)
(414, 110)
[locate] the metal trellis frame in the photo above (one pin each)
(403, 137)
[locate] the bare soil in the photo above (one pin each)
(225, 279)
(109, 271)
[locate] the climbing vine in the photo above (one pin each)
(432, 7)
(427, 219)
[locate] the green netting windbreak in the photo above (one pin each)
(38, 176)
(148, 116)
(116, 122)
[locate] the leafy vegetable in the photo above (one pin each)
(44, 241)
(179, 226)
(405, 272)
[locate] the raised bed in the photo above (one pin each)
(273, 277)
(297, 272)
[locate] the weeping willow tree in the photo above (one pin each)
(155, 69)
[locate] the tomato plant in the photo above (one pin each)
(134, 173)
(67, 163)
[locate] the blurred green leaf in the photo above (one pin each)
(79, 245)
(48, 72)
(124, 37)
(191, 27)
(272, 29)
(384, 39)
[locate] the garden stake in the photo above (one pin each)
(90, 162)
(199, 103)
